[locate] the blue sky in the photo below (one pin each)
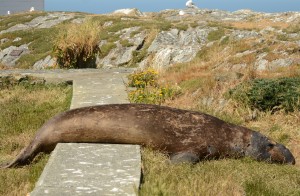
(106, 6)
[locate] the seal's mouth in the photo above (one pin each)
(280, 154)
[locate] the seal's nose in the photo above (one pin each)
(286, 153)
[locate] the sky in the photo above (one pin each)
(107, 6)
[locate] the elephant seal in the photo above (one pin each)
(183, 135)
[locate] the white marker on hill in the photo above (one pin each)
(190, 4)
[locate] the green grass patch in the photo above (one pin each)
(215, 35)
(217, 177)
(23, 110)
(126, 43)
(138, 56)
(106, 48)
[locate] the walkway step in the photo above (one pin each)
(93, 169)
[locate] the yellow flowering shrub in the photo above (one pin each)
(142, 79)
(147, 88)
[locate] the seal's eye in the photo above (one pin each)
(270, 145)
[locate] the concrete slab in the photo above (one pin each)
(92, 169)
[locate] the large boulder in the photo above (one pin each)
(177, 46)
(122, 54)
(128, 11)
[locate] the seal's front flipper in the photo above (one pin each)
(184, 157)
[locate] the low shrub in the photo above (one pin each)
(142, 79)
(269, 94)
(77, 45)
(147, 88)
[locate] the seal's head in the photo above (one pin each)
(262, 148)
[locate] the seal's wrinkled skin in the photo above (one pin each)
(184, 135)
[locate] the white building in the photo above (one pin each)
(15, 6)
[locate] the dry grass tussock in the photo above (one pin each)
(76, 42)
(23, 111)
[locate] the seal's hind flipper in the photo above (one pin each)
(184, 157)
(4, 165)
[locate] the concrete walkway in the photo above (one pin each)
(91, 169)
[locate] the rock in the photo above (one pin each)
(46, 63)
(238, 34)
(10, 55)
(268, 29)
(176, 46)
(122, 55)
(47, 21)
(126, 33)
(261, 63)
(293, 18)
(241, 54)
(207, 101)
(280, 63)
(128, 11)
(108, 23)
(4, 40)
(238, 67)
(17, 39)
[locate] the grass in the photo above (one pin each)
(217, 177)
(23, 110)
(77, 43)
(215, 35)
(106, 48)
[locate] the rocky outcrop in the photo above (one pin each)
(183, 37)
(123, 54)
(176, 46)
(46, 63)
(51, 19)
(12, 54)
(128, 11)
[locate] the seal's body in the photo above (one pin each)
(182, 134)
